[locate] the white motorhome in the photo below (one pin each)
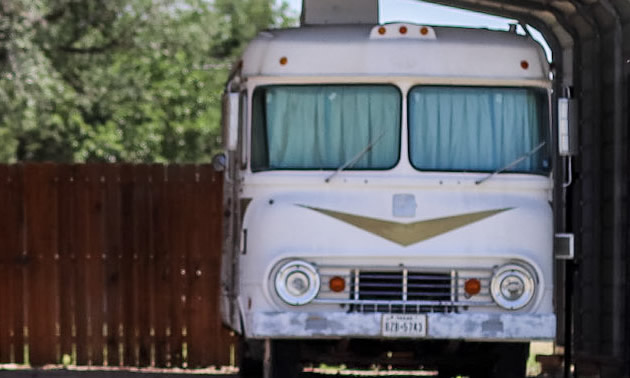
(388, 198)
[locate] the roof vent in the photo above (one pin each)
(335, 12)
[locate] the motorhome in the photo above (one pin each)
(389, 199)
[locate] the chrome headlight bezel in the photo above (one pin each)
(517, 273)
(297, 268)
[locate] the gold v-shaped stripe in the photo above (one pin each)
(409, 233)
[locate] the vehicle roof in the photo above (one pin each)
(349, 50)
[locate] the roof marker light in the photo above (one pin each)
(402, 31)
(283, 60)
(524, 64)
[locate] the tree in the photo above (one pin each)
(120, 80)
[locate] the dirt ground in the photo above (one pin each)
(59, 372)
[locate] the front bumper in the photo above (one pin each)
(470, 326)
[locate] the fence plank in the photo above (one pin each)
(178, 202)
(114, 330)
(131, 347)
(11, 267)
(40, 208)
(226, 341)
(81, 227)
(141, 261)
(94, 259)
(162, 273)
(198, 291)
(67, 211)
(203, 317)
(6, 264)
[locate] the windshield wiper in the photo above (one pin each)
(356, 157)
(516, 161)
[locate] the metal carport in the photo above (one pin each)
(590, 40)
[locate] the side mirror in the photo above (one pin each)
(567, 126)
(230, 121)
(219, 162)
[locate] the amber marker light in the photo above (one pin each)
(382, 30)
(524, 64)
(337, 284)
(472, 286)
(403, 30)
(284, 60)
(424, 30)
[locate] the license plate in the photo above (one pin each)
(404, 325)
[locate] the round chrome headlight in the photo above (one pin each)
(297, 282)
(512, 286)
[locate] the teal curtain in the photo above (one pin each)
(323, 127)
(476, 129)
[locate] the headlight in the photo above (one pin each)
(297, 282)
(512, 287)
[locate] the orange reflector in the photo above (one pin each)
(524, 64)
(337, 284)
(403, 30)
(472, 286)
(283, 60)
(382, 30)
(424, 30)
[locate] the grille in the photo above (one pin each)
(409, 287)
(403, 289)
(417, 286)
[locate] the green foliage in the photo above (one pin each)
(120, 80)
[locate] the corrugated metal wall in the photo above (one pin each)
(600, 206)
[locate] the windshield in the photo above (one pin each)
(324, 127)
(477, 128)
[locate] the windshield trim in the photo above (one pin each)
(401, 98)
(545, 117)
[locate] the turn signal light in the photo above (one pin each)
(337, 284)
(472, 286)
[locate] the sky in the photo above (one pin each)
(432, 14)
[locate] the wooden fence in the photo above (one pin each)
(114, 265)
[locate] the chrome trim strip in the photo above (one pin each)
(370, 302)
